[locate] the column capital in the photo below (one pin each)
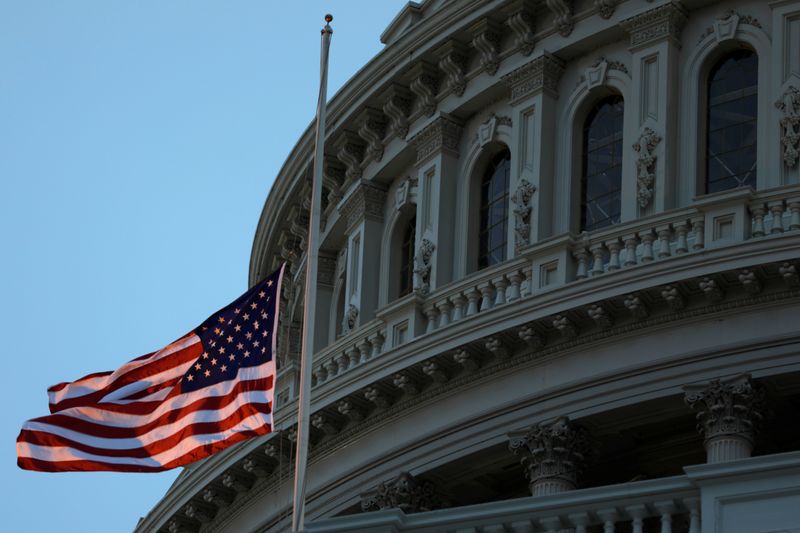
(365, 201)
(728, 413)
(405, 492)
(663, 22)
(443, 134)
(539, 74)
(552, 455)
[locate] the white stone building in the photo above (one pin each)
(558, 286)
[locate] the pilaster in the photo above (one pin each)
(437, 147)
(655, 47)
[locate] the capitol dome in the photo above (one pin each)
(558, 281)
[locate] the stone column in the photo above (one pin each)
(552, 455)
(363, 210)
(728, 412)
(437, 176)
(655, 47)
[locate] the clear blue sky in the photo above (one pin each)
(138, 142)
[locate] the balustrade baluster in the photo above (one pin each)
(473, 295)
(630, 250)
(794, 207)
(664, 236)
(377, 341)
(526, 287)
(486, 295)
(365, 349)
(638, 513)
(343, 362)
(581, 521)
(681, 229)
(776, 208)
(647, 237)
(666, 509)
(331, 368)
(758, 212)
(500, 285)
(614, 247)
(430, 312)
(698, 229)
(582, 257)
(458, 306)
(609, 517)
(693, 504)
(513, 291)
(444, 312)
(352, 354)
(320, 374)
(598, 252)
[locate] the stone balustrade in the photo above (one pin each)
(349, 352)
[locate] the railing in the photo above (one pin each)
(715, 221)
(625, 507)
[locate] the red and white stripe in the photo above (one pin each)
(137, 419)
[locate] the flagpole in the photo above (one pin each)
(310, 296)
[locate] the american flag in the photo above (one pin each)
(204, 392)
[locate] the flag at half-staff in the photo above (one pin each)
(200, 394)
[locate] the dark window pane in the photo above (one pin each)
(602, 164)
(494, 211)
(407, 257)
(731, 121)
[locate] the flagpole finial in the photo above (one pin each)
(328, 18)
(327, 29)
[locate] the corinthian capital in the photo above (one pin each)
(552, 455)
(540, 74)
(728, 413)
(663, 22)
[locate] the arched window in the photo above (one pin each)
(407, 257)
(494, 211)
(731, 122)
(601, 182)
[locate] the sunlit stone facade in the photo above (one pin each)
(558, 281)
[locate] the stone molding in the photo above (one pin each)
(728, 414)
(552, 455)
(663, 22)
(539, 74)
(366, 201)
(441, 135)
(605, 8)
(562, 16)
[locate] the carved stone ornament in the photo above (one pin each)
(486, 41)
(350, 319)
(605, 8)
(596, 75)
(443, 134)
(405, 492)
(366, 201)
(728, 413)
(646, 165)
(522, 213)
(539, 74)
(453, 61)
(397, 106)
(350, 151)
(372, 129)
(552, 455)
(789, 105)
(333, 177)
(521, 21)
(406, 193)
(663, 22)
(422, 266)
(562, 15)
(725, 27)
(425, 85)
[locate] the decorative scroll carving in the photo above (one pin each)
(422, 266)
(663, 22)
(789, 274)
(405, 492)
(562, 11)
(605, 8)
(540, 73)
(406, 193)
(441, 134)
(531, 337)
(552, 455)
(350, 319)
(372, 130)
(202, 512)
(487, 41)
(425, 85)
(521, 21)
(219, 496)
(728, 413)
(496, 347)
(325, 423)
(377, 396)
(466, 359)
(646, 165)
(453, 60)
(789, 104)
(434, 371)
(350, 151)
(350, 410)
(397, 106)
(522, 213)
(366, 201)
(333, 176)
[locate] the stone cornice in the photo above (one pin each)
(663, 22)
(365, 201)
(441, 135)
(539, 74)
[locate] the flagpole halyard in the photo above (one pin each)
(310, 296)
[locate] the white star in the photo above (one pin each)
(263, 349)
(264, 333)
(269, 283)
(221, 320)
(237, 328)
(239, 346)
(247, 353)
(236, 311)
(189, 377)
(223, 368)
(214, 361)
(231, 357)
(207, 373)
(253, 305)
(246, 316)
(198, 366)
(205, 355)
(255, 324)
(248, 335)
(262, 294)
(221, 349)
(264, 316)
(229, 338)
(255, 344)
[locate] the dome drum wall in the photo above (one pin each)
(606, 327)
